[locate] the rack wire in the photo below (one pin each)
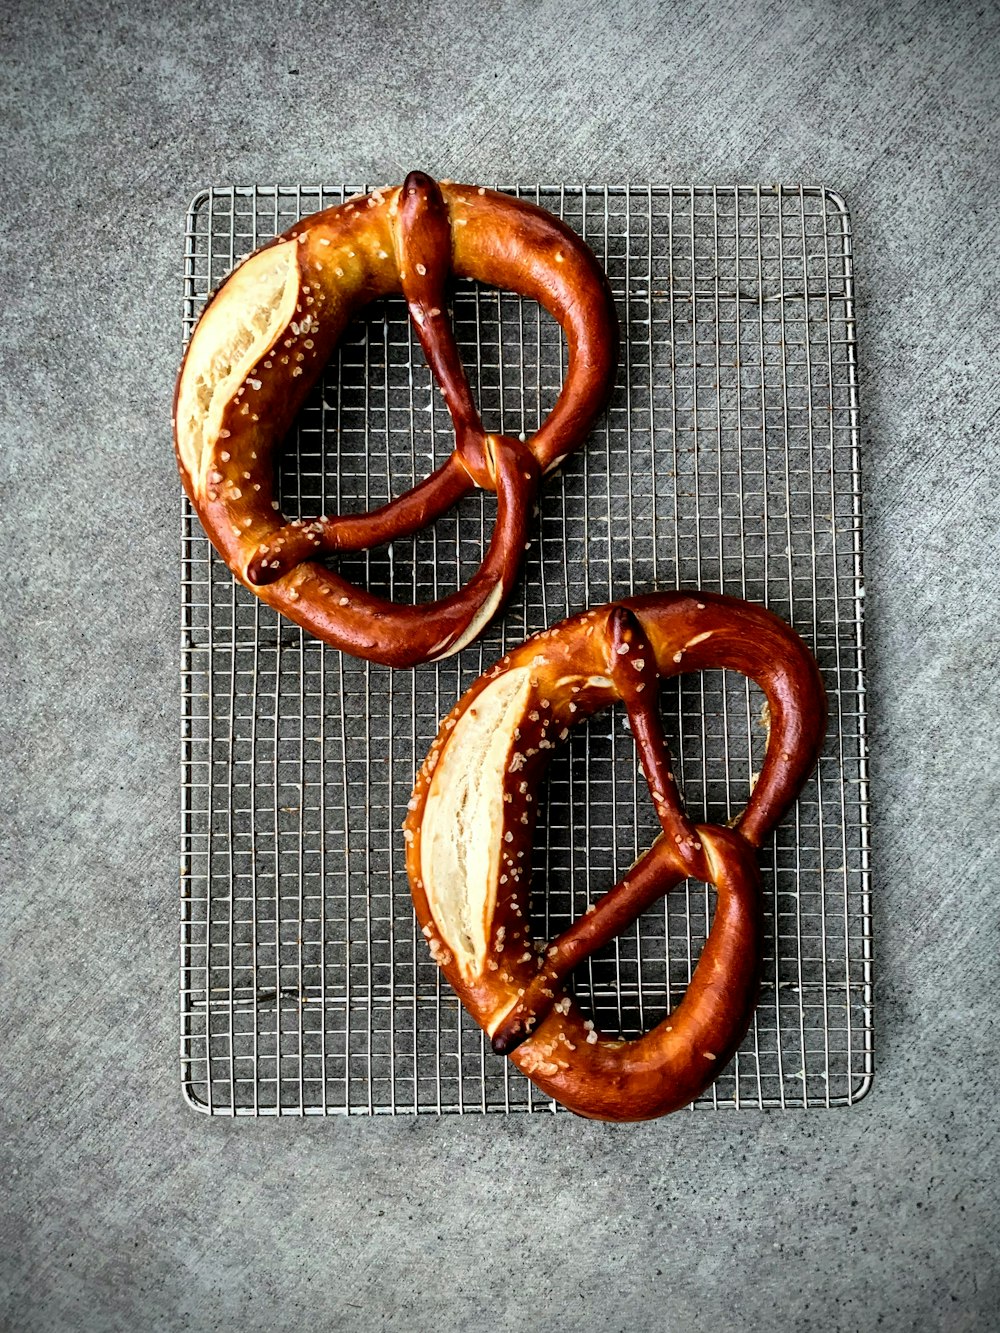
(728, 460)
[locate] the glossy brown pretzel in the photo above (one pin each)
(263, 340)
(471, 820)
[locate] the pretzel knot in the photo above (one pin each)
(471, 820)
(262, 343)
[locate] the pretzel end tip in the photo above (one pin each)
(512, 1033)
(503, 1043)
(624, 633)
(260, 571)
(620, 620)
(418, 182)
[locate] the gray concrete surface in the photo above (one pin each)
(121, 1209)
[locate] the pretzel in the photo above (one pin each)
(263, 340)
(471, 819)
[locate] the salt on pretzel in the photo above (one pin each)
(262, 343)
(472, 815)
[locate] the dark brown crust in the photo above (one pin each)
(383, 241)
(520, 993)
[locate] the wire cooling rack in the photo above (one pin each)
(729, 461)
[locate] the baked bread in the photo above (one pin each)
(262, 343)
(472, 815)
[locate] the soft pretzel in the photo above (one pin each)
(472, 815)
(263, 340)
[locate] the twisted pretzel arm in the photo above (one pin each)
(633, 672)
(424, 243)
(471, 820)
(261, 345)
(361, 623)
(313, 539)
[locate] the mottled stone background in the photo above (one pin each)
(123, 1210)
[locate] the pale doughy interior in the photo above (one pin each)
(237, 329)
(462, 827)
(478, 622)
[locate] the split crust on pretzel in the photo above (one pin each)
(471, 821)
(263, 341)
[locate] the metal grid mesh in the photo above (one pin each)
(729, 461)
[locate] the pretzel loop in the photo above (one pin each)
(263, 340)
(470, 827)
